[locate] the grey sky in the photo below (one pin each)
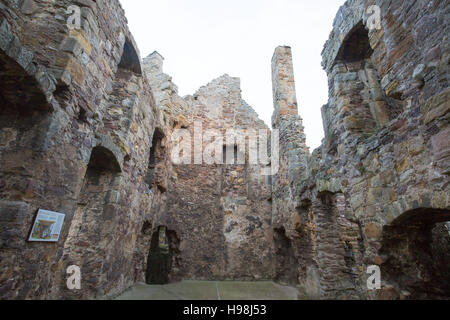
(203, 39)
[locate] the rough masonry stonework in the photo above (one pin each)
(87, 128)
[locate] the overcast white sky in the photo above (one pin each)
(204, 39)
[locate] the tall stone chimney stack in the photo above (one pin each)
(153, 63)
(285, 116)
(284, 94)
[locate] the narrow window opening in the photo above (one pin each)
(157, 154)
(130, 59)
(234, 157)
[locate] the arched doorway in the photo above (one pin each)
(416, 254)
(285, 266)
(158, 262)
(91, 229)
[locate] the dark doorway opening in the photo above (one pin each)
(158, 262)
(416, 250)
(285, 268)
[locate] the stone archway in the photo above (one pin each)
(365, 105)
(91, 229)
(130, 58)
(163, 259)
(285, 266)
(25, 122)
(416, 255)
(158, 262)
(25, 118)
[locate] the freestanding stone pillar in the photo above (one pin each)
(293, 149)
(293, 162)
(284, 94)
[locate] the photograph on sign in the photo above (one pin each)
(47, 226)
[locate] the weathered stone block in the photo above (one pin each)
(373, 230)
(436, 107)
(28, 7)
(71, 45)
(13, 212)
(441, 144)
(6, 37)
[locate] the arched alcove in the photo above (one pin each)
(416, 254)
(103, 160)
(122, 101)
(130, 59)
(87, 241)
(365, 105)
(356, 46)
(19, 92)
(25, 118)
(99, 185)
(25, 128)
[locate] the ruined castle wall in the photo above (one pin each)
(86, 130)
(221, 214)
(79, 145)
(243, 191)
(172, 114)
(379, 184)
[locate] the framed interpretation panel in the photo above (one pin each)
(47, 226)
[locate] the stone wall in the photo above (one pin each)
(78, 144)
(83, 134)
(221, 214)
(87, 129)
(378, 188)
